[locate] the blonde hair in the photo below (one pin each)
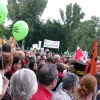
(87, 85)
(19, 53)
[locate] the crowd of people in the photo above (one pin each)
(29, 75)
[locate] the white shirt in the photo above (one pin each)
(1, 83)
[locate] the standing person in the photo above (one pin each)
(27, 55)
(97, 97)
(69, 85)
(88, 87)
(47, 77)
(33, 66)
(98, 66)
(23, 84)
(16, 65)
(5, 64)
(60, 69)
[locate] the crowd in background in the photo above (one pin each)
(29, 75)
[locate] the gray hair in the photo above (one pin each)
(23, 84)
(56, 56)
(47, 74)
(70, 80)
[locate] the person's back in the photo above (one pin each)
(47, 78)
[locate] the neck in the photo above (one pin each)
(47, 87)
(89, 97)
(69, 92)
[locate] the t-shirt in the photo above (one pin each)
(42, 94)
(1, 83)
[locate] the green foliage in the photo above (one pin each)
(27, 10)
(71, 20)
(71, 33)
(86, 33)
(55, 31)
(5, 31)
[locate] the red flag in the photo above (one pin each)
(80, 55)
(93, 61)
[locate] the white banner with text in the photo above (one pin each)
(51, 44)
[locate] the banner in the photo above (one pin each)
(92, 66)
(51, 44)
(80, 55)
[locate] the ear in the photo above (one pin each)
(54, 82)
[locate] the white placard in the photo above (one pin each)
(39, 46)
(51, 44)
(35, 46)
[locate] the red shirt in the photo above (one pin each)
(42, 94)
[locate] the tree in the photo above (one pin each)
(71, 20)
(55, 31)
(5, 31)
(86, 33)
(27, 10)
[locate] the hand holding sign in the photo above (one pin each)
(3, 12)
(20, 30)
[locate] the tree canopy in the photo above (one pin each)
(72, 32)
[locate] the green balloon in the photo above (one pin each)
(3, 12)
(65, 53)
(20, 30)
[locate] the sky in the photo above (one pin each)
(89, 7)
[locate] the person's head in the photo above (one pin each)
(48, 54)
(48, 75)
(98, 77)
(27, 54)
(88, 85)
(56, 58)
(23, 84)
(49, 60)
(6, 47)
(98, 66)
(42, 61)
(19, 53)
(60, 67)
(38, 57)
(6, 61)
(33, 57)
(70, 82)
(33, 65)
(44, 57)
(38, 68)
(17, 63)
